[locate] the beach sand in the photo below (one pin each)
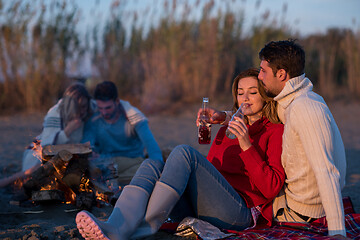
(57, 221)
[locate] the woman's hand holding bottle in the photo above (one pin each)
(240, 130)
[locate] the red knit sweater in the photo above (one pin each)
(256, 174)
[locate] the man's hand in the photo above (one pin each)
(216, 117)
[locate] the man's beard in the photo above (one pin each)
(109, 116)
(270, 94)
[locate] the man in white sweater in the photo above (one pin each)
(313, 151)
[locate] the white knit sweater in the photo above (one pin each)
(53, 131)
(313, 156)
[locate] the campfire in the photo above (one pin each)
(64, 176)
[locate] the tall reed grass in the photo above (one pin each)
(179, 58)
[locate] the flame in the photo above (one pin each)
(60, 169)
(101, 196)
(37, 149)
(70, 197)
(56, 182)
(18, 183)
(114, 188)
(85, 185)
(52, 185)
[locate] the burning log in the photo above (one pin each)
(77, 168)
(54, 168)
(64, 176)
(63, 168)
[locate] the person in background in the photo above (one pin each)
(239, 178)
(120, 137)
(63, 124)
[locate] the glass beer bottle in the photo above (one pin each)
(239, 113)
(204, 130)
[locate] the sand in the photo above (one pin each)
(57, 221)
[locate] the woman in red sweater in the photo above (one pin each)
(237, 181)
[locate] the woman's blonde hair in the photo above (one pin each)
(69, 106)
(270, 108)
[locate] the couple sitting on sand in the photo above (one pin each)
(290, 172)
(118, 133)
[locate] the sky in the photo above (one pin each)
(313, 16)
(303, 16)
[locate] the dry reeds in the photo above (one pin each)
(190, 52)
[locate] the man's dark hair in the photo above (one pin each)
(106, 91)
(286, 55)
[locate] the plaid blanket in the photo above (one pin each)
(314, 230)
(300, 231)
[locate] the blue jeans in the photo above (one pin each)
(205, 192)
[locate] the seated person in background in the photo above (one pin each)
(63, 124)
(230, 189)
(119, 134)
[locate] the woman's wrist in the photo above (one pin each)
(246, 146)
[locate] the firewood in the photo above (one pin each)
(44, 175)
(77, 150)
(64, 166)
(77, 168)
